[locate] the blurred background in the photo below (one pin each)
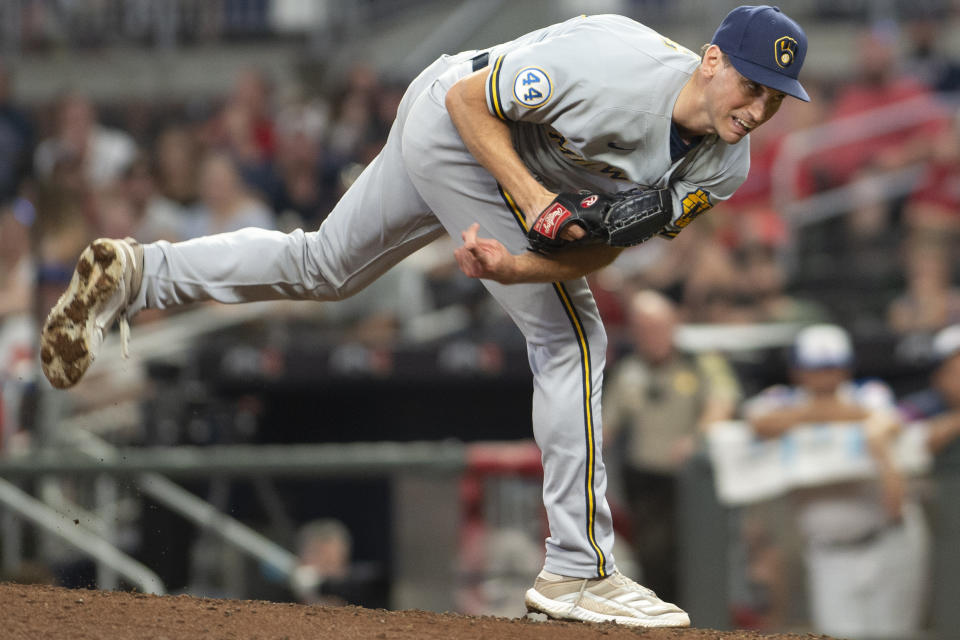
(378, 451)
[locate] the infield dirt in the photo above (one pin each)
(30, 612)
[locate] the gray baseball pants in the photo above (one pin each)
(423, 183)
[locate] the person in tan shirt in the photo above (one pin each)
(657, 403)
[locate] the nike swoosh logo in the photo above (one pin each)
(614, 145)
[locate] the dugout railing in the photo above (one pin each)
(429, 473)
(16, 503)
(79, 456)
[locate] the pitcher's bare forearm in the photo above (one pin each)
(487, 258)
(566, 264)
(488, 140)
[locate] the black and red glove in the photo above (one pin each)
(619, 220)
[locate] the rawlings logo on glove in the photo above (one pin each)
(619, 220)
(551, 221)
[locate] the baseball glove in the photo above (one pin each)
(619, 220)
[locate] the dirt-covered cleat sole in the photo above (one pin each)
(97, 296)
(615, 598)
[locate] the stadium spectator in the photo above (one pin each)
(243, 126)
(102, 153)
(239, 143)
(656, 404)
(386, 103)
(750, 235)
(744, 280)
(380, 315)
(17, 324)
(301, 191)
(177, 151)
(938, 409)
(934, 204)
(711, 289)
(865, 541)
(324, 548)
(355, 124)
(16, 259)
(226, 204)
(351, 127)
(926, 54)
(858, 256)
(62, 228)
(658, 264)
(114, 212)
(762, 284)
(939, 404)
(326, 574)
(881, 83)
(16, 139)
(253, 93)
(445, 289)
(892, 143)
(929, 301)
(155, 217)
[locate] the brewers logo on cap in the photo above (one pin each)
(746, 34)
(785, 49)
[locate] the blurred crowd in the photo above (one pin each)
(814, 234)
(818, 234)
(280, 157)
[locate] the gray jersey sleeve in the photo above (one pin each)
(591, 78)
(542, 82)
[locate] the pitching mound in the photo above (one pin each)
(30, 612)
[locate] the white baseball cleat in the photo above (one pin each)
(615, 598)
(106, 279)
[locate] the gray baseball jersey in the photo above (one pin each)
(606, 87)
(590, 102)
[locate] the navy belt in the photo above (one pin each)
(480, 60)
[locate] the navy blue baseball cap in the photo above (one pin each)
(766, 46)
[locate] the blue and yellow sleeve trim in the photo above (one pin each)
(493, 88)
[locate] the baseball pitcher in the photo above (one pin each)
(548, 155)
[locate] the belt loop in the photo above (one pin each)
(480, 60)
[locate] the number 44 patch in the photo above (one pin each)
(532, 87)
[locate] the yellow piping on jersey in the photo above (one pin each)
(515, 210)
(495, 88)
(571, 312)
(588, 423)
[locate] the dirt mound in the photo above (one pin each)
(29, 612)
